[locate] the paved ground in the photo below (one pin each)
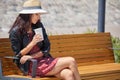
(65, 16)
(114, 30)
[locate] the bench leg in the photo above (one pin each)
(12, 78)
(34, 66)
(1, 75)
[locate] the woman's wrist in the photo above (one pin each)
(36, 55)
(31, 57)
(32, 43)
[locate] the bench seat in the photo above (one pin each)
(96, 71)
(90, 72)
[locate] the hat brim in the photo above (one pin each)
(32, 11)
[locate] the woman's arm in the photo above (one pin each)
(26, 57)
(15, 39)
(34, 41)
(37, 55)
(16, 43)
(25, 50)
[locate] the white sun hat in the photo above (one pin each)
(31, 7)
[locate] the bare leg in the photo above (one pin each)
(65, 74)
(73, 67)
(63, 63)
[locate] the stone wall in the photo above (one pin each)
(65, 16)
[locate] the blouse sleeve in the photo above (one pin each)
(15, 41)
(46, 44)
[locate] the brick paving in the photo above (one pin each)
(65, 16)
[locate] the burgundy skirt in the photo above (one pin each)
(44, 65)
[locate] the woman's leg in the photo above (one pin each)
(63, 63)
(65, 74)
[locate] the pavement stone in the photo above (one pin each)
(65, 16)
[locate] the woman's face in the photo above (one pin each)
(35, 17)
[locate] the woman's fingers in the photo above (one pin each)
(24, 59)
(37, 38)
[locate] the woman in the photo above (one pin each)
(26, 44)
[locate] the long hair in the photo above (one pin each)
(23, 22)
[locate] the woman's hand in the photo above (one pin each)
(25, 58)
(37, 38)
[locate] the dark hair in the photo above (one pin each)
(23, 22)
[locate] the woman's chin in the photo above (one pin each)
(34, 23)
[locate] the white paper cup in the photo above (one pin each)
(40, 32)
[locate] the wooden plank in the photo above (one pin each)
(80, 40)
(4, 44)
(99, 69)
(37, 78)
(94, 59)
(4, 40)
(6, 54)
(112, 76)
(84, 48)
(48, 78)
(94, 62)
(80, 45)
(78, 35)
(82, 52)
(6, 51)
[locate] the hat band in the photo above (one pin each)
(34, 7)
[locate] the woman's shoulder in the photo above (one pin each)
(14, 29)
(14, 32)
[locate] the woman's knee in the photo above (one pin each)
(72, 60)
(67, 74)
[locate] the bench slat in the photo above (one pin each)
(77, 35)
(99, 69)
(66, 40)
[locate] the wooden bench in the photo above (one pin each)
(93, 53)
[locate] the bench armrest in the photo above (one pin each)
(115, 48)
(34, 66)
(12, 57)
(1, 75)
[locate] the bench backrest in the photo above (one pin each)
(87, 49)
